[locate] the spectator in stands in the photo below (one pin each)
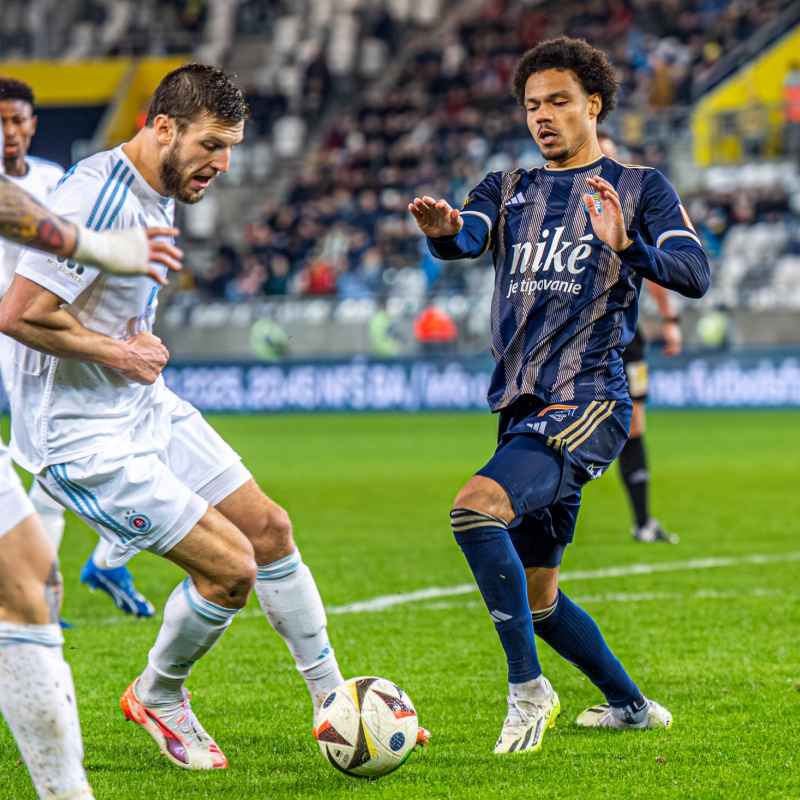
(435, 329)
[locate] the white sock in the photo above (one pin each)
(291, 601)
(37, 699)
(533, 691)
(100, 554)
(50, 512)
(192, 626)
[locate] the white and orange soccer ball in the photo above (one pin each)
(367, 727)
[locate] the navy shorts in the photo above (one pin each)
(545, 455)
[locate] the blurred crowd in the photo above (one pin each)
(446, 119)
(395, 110)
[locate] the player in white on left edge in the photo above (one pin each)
(39, 178)
(37, 696)
(104, 435)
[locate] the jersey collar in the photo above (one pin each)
(578, 168)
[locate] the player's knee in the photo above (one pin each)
(542, 588)
(29, 602)
(231, 577)
(234, 583)
(275, 538)
(486, 496)
(474, 500)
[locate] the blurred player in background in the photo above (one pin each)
(39, 178)
(633, 458)
(571, 244)
(37, 695)
(93, 420)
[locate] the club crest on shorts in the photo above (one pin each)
(140, 523)
(558, 412)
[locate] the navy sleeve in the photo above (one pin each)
(666, 249)
(679, 264)
(479, 214)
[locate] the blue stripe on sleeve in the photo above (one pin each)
(103, 193)
(118, 183)
(121, 202)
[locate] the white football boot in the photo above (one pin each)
(602, 716)
(527, 721)
(652, 532)
(181, 738)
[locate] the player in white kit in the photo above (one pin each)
(39, 178)
(106, 438)
(37, 696)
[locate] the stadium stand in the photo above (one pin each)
(358, 107)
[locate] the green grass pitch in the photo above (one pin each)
(369, 497)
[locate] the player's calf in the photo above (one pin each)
(37, 697)
(222, 571)
(285, 587)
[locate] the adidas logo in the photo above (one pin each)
(499, 616)
(516, 200)
(538, 427)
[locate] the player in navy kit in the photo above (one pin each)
(571, 244)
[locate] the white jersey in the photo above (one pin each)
(63, 409)
(39, 181)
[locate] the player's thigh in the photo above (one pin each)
(219, 558)
(540, 540)
(30, 583)
(214, 471)
(196, 453)
(262, 521)
(133, 500)
(528, 471)
(28, 566)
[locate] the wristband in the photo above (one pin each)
(120, 252)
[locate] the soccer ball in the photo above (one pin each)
(367, 727)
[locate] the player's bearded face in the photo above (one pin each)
(558, 113)
(196, 155)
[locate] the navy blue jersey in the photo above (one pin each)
(565, 304)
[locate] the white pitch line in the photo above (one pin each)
(382, 602)
(621, 597)
(386, 601)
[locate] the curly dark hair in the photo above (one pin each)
(595, 73)
(14, 89)
(194, 90)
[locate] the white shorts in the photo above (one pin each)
(152, 489)
(15, 505)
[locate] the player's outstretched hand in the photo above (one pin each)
(132, 251)
(144, 358)
(435, 218)
(609, 222)
(673, 339)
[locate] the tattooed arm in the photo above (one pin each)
(27, 222)
(132, 251)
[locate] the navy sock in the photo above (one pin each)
(633, 466)
(574, 635)
(500, 576)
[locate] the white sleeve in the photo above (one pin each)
(73, 200)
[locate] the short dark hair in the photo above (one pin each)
(14, 89)
(195, 90)
(595, 73)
